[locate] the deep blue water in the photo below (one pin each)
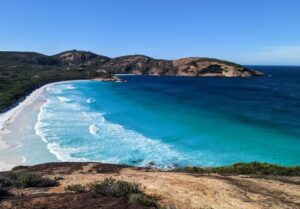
(176, 120)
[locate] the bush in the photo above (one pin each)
(143, 200)
(19, 167)
(246, 168)
(259, 169)
(5, 182)
(115, 188)
(130, 191)
(191, 169)
(32, 180)
(77, 188)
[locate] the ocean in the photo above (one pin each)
(175, 121)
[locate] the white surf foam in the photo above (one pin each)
(90, 100)
(64, 154)
(52, 89)
(67, 131)
(93, 129)
(64, 99)
(70, 86)
(8, 117)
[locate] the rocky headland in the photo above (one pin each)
(144, 65)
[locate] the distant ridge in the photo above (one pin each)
(135, 64)
(141, 64)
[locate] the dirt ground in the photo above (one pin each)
(176, 190)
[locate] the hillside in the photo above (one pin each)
(158, 189)
(22, 72)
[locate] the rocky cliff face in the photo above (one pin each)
(211, 67)
(143, 65)
(81, 59)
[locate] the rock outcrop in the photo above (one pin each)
(171, 189)
(144, 65)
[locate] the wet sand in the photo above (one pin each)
(17, 136)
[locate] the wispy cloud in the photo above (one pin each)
(275, 55)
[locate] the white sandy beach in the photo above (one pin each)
(17, 123)
(10, 119)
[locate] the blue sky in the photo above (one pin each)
(244, 31)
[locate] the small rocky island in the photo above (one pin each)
(22, 72)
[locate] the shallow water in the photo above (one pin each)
(170, 121)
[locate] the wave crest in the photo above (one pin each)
(90, 100)
(68, 130)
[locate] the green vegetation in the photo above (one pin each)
(32, 180)
(24, 180)
(77, 188)
(115, 188)
(5, 182)
(21, 73)
(130, 191)
(19, 167)
(245, 168)
(143, 200)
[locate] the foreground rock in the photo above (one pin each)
(172, 189)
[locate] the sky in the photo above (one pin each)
(250, 32)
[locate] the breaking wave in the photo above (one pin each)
(73, 132)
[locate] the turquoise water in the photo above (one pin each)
(169, 121)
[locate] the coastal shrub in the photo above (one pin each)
(24, 180)
(77, 188)
(130, 191)
(5, 182)
(19, 167)
(143, 200)
(110, 186)
(32, 180)
(246, 168)
(258, 168)
(191, 169)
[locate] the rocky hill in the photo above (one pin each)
(22, 72)
(143, 65)
(133, 64)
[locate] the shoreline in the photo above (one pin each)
(8, 119)
(27, 107)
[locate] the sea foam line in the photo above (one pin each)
(9, 117)
(108, 142)
(113, 138)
